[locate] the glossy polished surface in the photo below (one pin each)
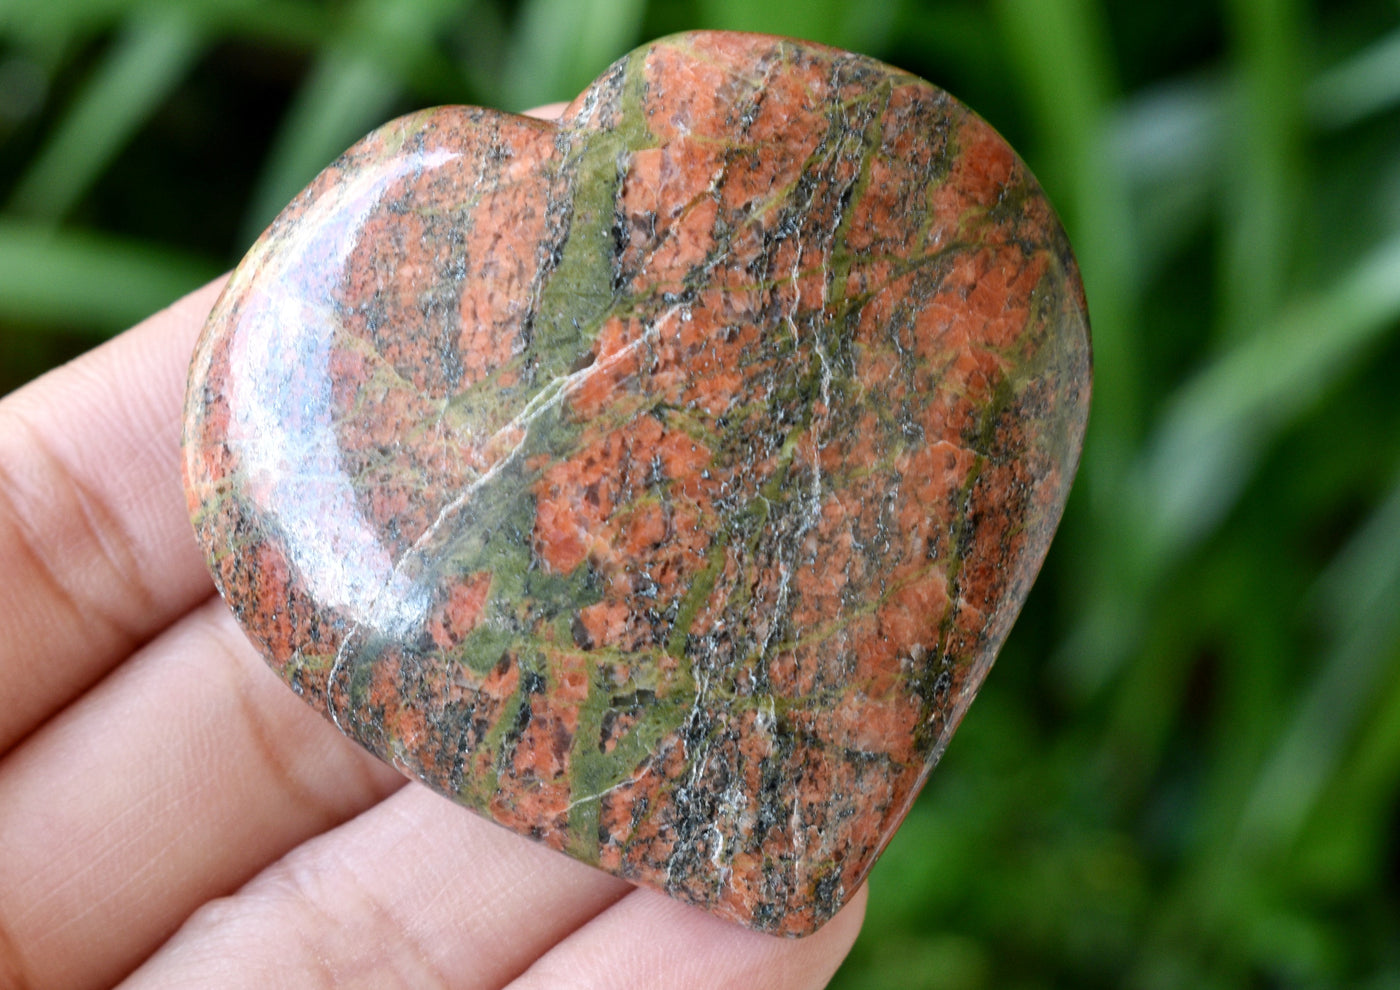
(660, 483)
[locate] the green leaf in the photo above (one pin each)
(349, 91)
(1359, 592)
(42, 22)
(284, 23)
(559, 46)
(89, 281)
(1209, 440)
(860, 27)
(140, 70)
(1364, 85)
(344, 97)
(1169, 143)
(1261, 221)
(1218, 423)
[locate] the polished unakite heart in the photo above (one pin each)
(662, 482)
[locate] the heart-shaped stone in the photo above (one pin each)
(660, 483)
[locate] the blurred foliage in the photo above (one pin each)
(1184, 769)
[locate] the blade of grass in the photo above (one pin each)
(1207, 444)
(41, 22)
(1182, 125)
(481, 52)
(349, 91)
(1358, 593)
(343, 97)
(1262, 217)
(958, 39)
(558, 46)
(833, 22)
(88, 281)
(1169, 142)
(143, 66)
(298, 22)
(1217, 424)
(1350, 822)
(282, 23)
(1364, 85)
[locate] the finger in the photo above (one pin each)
(647, 940)
(176, 779)
(96, 553)
(415, 892)
(550, 111)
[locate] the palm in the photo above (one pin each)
(169, 810)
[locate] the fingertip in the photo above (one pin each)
(648, 940)
(852, 917)
(549, 111)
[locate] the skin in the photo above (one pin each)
(172, 815)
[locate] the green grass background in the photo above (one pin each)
(1183, 770)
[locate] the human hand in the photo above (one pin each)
(172, 814)
(168, 806)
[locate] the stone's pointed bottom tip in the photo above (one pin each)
(660, 483)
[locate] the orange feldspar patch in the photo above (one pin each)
(458, 614)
